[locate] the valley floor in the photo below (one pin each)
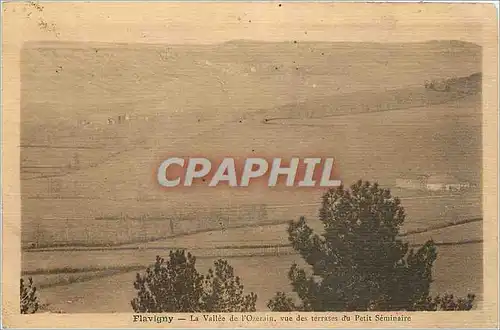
(104, 283)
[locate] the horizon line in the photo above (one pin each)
(81, 44)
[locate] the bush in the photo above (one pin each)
(28, 298)
(358, 263)
(176, 286)
(448, 303)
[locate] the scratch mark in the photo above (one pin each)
(42, 24)
(36, 5)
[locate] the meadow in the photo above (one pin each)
(263, 275)
(432, 140)
(92, 213)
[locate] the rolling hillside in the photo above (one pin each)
(190, 100)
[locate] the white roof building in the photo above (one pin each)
(443, 182)
(436, 182)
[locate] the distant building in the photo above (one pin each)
(412, 181)
(437, 182)
(445, 182)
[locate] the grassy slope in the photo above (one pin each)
(219, 83)
(263, 240)
(264, 276)
(121, 176)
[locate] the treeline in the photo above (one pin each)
(468, 85)
(359, 263)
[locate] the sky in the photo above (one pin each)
(204, 23)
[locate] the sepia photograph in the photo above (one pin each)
(251, 159)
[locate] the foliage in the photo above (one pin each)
(224, 292)
(282, 303)
(358, 263)
(28, 299)
(448, 303)
(176, 286)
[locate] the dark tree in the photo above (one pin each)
(176, 286)
(358, 263)
(223, 292)
(448, 303)
(282, 303)
(28, 298)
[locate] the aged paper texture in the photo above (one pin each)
(259, 165)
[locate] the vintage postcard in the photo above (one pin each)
(249, 164)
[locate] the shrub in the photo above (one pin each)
(176, 286)
(28, 298)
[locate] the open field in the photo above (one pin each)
(449, 142)
(262, 275)
(93, 215)
(259, 241)
(422, 212)
(270, 74)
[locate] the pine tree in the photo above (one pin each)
(358, 263)
(28, 299)
(176, 286)
(223, 291)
